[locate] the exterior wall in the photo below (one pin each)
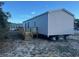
(41, 22)
(60, 23)
(25, 25)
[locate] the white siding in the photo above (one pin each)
(53, 23)
(41, 22)
(60, 23)
(25, 25)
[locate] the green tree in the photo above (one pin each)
(3, 21)
(76, 24)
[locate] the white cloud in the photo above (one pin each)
(33, 13)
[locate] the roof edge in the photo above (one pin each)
(63, 9)
(36, 16)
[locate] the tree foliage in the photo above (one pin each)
(3, 20)
(76, 23)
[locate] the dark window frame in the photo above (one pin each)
(34, 24)
(28, 25)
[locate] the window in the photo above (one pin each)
(25, 25)
(28, 24)
(34, 24)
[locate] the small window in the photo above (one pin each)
(25, 25)
(34, 24)
(28, 24)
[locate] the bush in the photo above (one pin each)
(3, 32)
(21, 33)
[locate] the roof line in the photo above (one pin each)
(63, 9)
(36, 16)
(68, 12)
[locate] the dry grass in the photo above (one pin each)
(40, 47)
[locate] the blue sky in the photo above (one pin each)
(23, 10)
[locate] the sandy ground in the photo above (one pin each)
(40, 47)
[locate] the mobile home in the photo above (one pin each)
(52, 23)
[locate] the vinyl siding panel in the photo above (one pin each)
(41, 22)
(60, 23)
